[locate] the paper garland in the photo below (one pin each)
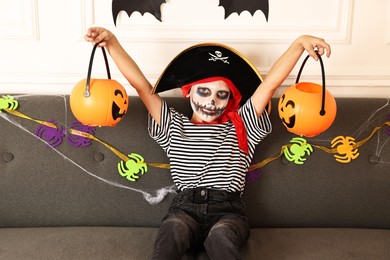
(343, 148)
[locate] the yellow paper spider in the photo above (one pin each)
(345, 148)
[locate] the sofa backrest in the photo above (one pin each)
(81, 186)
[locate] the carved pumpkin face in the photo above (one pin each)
(119, 104)
(299, 109)
(106, 105)
(287, 111)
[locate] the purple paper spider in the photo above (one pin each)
(76, 140)
(53, 136)
(253, 175)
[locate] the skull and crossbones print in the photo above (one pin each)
(218, 57)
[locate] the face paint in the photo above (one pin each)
(209, 100)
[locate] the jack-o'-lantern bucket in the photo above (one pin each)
(305, 108)
(98, 102)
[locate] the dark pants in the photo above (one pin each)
(215, 218)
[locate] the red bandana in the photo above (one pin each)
(230, 112)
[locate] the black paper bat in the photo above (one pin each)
(142, 6)
(238, 6)
(153, 7)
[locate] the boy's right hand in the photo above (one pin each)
(98, 34)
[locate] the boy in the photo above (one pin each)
(210, 152)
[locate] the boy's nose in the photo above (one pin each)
(212, 102)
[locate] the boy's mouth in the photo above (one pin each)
(209, 111)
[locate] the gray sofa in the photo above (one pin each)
(72, 203)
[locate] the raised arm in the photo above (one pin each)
(128, 68)
(284, 65)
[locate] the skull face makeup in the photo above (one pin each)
(209, 100)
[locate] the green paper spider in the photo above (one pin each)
(297, 150)
(8, 102)
(131, 168)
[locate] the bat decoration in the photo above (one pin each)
(153, 7)
(238, 6)
(142, 6)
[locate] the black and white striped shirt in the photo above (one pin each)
(207, 155)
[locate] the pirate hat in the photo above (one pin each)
(208, 60)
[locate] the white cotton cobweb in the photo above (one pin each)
(153, 199)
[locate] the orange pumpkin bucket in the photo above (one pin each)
(305, 108)
(98, 102)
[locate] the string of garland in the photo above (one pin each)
(344, 149)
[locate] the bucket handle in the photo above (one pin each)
(87, 93)
(322, 111)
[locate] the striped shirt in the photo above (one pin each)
(207, 155)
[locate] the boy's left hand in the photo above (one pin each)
(312, 44)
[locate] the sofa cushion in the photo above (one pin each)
(318, 243)
(118, 243)
(76, 243)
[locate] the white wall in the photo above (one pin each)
(42, 50)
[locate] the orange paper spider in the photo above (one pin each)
(345, 148)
